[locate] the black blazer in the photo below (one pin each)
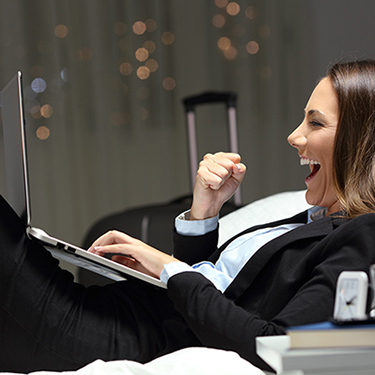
(289, 281)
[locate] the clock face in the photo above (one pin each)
(348, 295)
(351, 295)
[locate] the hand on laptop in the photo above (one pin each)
(131, 253)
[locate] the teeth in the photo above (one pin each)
(305, 161)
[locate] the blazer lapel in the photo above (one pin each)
(299, 218)
(254, 266)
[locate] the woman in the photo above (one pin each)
(260, 282)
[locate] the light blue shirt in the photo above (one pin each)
(233, 258)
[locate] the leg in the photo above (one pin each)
(49, 322)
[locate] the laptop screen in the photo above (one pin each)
(15, 147)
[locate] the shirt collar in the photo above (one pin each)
(315, 213)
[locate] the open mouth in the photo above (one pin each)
(315, 167)
(314, 171)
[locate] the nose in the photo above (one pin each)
(297, 138)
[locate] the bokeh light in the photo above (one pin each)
(150, 25)
(152, 64)
(43, 133)
(141, 54)
(233, 8)
(38, 85)
(250, 12)
(167, 38)
(46, 110)
(126, 69)
(61, 31)
(218, 21)
(150, 46)
(143, 72)
(139, 28)
(221, 3)
(224, 43)
(169, 83)
(230, 53)
(252, 47)
(35, 112)
(64, 74)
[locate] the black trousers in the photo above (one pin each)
(49, 322)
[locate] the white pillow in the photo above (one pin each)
(274, 207)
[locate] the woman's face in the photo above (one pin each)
(314, 140)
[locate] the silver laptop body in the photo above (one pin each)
(12, 111)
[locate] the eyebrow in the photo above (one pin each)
(313, 111)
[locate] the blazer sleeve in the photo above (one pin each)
(194, 249)
(222, 323)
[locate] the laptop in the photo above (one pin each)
(16, 169)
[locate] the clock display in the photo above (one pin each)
(351, 296)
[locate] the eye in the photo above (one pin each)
(315, 123)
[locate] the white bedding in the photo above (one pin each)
(190, 361)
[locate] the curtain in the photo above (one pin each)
(104, 83)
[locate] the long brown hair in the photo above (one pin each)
(354, 151)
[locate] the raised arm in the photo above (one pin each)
(219, 176)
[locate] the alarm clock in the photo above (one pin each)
(351, 296)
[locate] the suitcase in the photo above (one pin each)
(153, 224)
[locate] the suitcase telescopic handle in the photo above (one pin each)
(230, 99)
